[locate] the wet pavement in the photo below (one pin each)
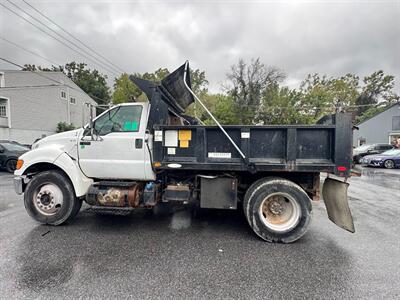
(211, 255)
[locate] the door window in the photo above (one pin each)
(119, 119)
(383, 147)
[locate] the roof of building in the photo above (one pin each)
(19, 78)
(378, 113)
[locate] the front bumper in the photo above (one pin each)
(372, 162)
(19, 185)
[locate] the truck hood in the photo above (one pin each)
(65, 141)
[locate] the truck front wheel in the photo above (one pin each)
(277, 209)
(49, 198)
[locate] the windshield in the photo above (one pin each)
(14, 147)
(362, 148)
(392, 152)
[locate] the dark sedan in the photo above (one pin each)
(9, 153)
(389, 159)
(364, 150)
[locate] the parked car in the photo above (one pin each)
(360, 152)
(389, 159)
(9, 153)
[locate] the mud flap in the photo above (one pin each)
(334, 193)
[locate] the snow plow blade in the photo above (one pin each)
(334, 193)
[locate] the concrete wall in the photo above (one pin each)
(378, 128)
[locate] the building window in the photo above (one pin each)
(396, 123)
(3, 110)
(72, 100)
(63, 95)
(1, 79)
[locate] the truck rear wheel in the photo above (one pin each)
(277, 210)
(49, 198)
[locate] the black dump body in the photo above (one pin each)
(325, 147)
(292, 148)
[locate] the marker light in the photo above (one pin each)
(20, 162)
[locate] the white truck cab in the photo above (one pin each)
(117, 148)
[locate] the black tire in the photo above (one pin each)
(11, 165)
(389, 164)
(77, 208)
(69, 204)
(263, 189)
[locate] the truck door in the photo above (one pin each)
(117, 149)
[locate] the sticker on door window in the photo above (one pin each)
(131, 126)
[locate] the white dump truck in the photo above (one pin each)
(139, 155)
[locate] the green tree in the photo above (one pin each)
(63, 126)
(322, 95)
(246, 85)
(377, 88)
(125, 90)
(224, 110)
(29, 67)
(198, 81)
(92, 82)
(281, 105)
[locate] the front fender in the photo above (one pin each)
(39, 155)
(62, 160)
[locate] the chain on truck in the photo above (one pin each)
(140, 155)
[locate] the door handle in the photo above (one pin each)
(138, 143)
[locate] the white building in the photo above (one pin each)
(33, 103)
(383, 127)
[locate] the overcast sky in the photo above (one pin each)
(328, 37)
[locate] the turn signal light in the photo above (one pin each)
(156, 164)
(20, 162)
(342, 168)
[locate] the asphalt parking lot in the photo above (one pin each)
(212, 255)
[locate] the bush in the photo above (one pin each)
(63, 126)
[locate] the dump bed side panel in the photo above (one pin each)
(317, 148)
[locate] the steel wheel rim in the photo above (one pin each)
(280, 212)
(389, 164)
(48, 199)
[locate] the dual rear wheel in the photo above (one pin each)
(277, 210)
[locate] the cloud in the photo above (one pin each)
(299, 37)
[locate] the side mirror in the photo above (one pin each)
(89, 129)
(1, 150)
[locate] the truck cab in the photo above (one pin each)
(119, 145)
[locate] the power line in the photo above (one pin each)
(77, 46)
(71, 35)
(60, 41)
(49, 78)
(106, 66)
(27, 50)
